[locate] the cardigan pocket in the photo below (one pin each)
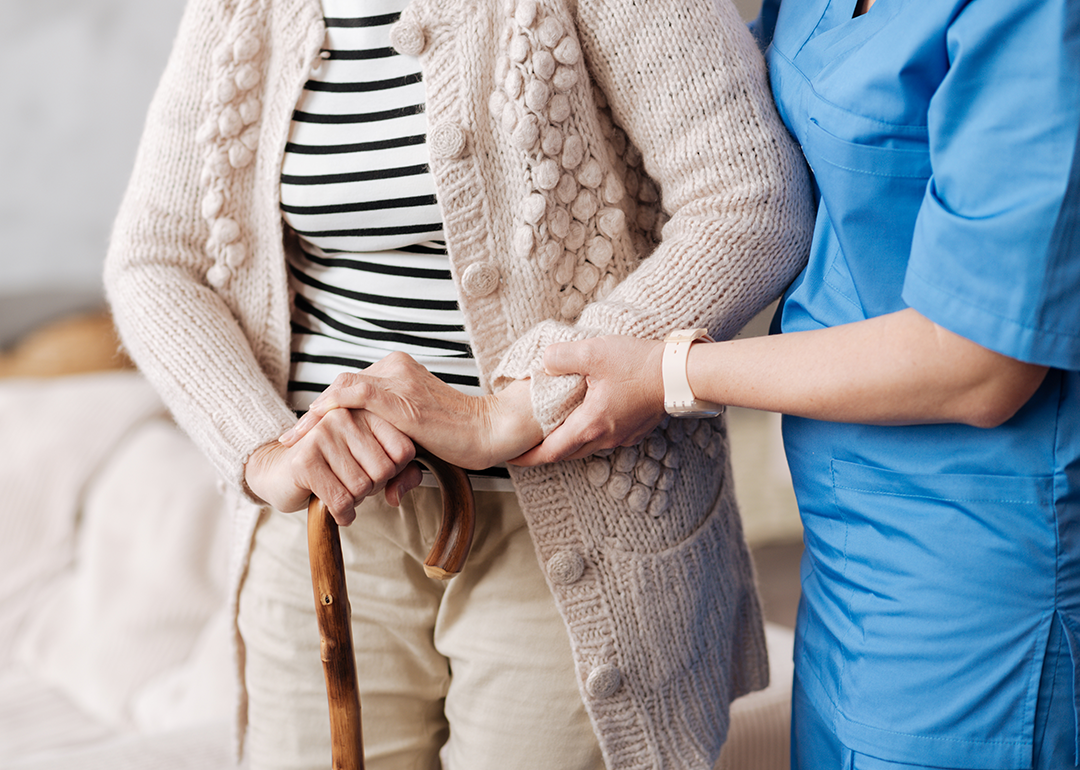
(694, 614)
(651, 497)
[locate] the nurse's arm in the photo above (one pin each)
(896, 369)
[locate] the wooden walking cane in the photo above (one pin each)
(446, 558)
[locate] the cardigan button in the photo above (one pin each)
(480, 280)
(408, 38)
(604, 681)
(565, 568)
(447, 140)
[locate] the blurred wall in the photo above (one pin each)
(748, 8)
(76, 77)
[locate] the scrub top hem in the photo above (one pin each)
(914, 749)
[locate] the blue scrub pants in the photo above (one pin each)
(814, 745)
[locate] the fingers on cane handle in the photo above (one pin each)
(452, 543)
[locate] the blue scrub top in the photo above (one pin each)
(943, 138)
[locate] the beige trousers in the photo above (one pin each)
(477, 668)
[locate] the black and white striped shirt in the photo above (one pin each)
(374, 275)
(355, 185)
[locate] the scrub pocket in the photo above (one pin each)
(932, 601)
(861, 212)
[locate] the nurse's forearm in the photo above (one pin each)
(899, 368)
(896, 369)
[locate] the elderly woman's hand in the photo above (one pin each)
(471, 431)
(343, 459)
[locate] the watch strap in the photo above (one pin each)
(679, 399)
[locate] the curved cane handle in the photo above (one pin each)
(446, 559)
(451, 548)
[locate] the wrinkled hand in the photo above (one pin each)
(470, 431)
(345, 458)
(623, 403)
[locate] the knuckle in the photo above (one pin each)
(341, 381)
(382, 470)
(400, 450)
(302, 464)
(336, 420)
(358, 392)
(340, 500)
(365, 389)
(347, 382)
(360, 488)
(352, 383)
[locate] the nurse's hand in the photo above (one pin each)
(470, 431)
(345, 458)
(623, 403)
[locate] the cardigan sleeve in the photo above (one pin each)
(689, 87)
(178, 328)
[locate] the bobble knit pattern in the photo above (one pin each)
(599, 170)
(571, 193)
(230, 136)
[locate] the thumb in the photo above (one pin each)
(401, 484)
(563, 358)
(564, 442)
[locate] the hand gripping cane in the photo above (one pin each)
(446, 558)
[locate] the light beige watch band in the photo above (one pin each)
(679, 400)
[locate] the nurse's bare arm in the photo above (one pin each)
(344, 458)
(897, 369)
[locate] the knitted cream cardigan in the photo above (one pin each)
(555, 129)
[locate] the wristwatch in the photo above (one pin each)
(679, 400)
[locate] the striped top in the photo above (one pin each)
(355, 186)
(373, 276)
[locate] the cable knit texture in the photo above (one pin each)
(600, 169)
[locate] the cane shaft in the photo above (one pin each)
(335, 632)
(446, 559)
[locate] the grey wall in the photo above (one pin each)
(75, 80)
(748, 8)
